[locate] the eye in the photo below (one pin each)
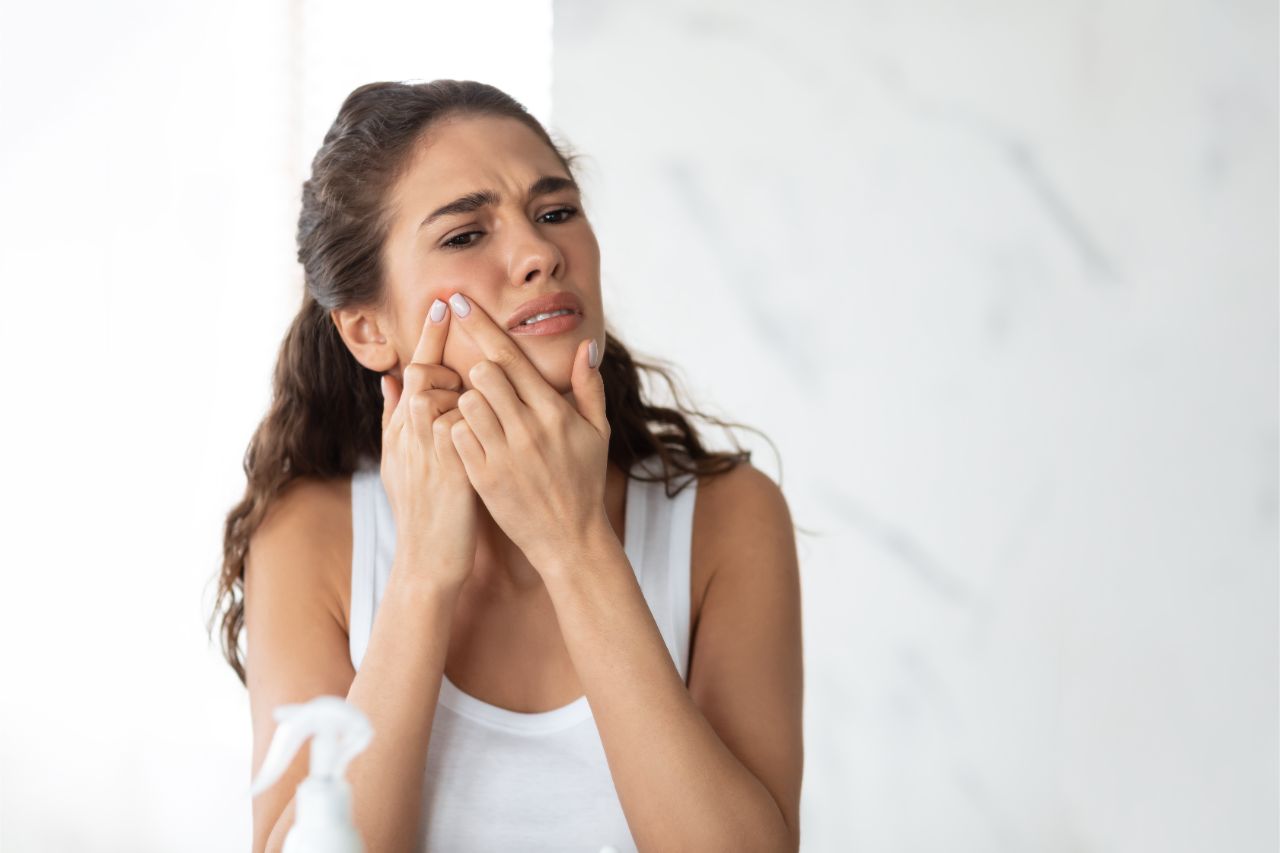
(454, 242)
(450, 244)
(569, 212)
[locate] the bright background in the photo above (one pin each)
(999, 279)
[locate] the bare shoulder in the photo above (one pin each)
(305, 539)
(311, 501)
(728, 504)
(744, 489)
(738, 512)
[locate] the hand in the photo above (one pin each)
(434, 505)
(537, 461)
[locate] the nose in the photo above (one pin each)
(535, 255)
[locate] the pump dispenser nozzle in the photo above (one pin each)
(339, 732)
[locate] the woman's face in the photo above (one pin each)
(499, 255)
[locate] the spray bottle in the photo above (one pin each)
(322, 808)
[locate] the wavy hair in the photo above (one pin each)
(324, 419)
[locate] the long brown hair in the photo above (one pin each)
(324, 420)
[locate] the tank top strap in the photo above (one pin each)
(665, 527)
(373, 545)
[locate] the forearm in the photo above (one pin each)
(396, 686)
(680, 787)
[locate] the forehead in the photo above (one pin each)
(465, 154)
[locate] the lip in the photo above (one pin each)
(553, 326)
(562, 299)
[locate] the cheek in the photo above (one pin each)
(595, 328)
(460, 355)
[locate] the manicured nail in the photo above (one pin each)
(383, 383)
(437, 311)
(593, 353)
(461, 306)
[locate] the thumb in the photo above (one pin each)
(390, 397)
(588, 385)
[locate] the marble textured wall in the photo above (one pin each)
(1000, 280)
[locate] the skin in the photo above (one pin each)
(552, 608)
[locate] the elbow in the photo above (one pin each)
(772, 834)
(785, 840)
(782, 835)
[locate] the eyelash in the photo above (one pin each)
(449, 244)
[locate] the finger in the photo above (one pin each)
(470, 451)
(426, 406)
(441, 431)
(390, 398)
(482, 420)
(492, 382)
(588, 385)
(418, 376)
(498, 347)
(435, 328)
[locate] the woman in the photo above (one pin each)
(570, 625)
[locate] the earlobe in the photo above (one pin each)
(362, 332)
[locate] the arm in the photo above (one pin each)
(298, 649)
(716, 766)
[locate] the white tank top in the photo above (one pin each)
(503, 780)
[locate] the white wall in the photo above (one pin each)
(1000, 280)
(151, 160)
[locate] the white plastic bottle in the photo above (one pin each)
(339, 731)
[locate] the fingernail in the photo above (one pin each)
(593, 353)
(437, 311)
(383, 383)
(461, 306)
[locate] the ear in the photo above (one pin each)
(365, 334)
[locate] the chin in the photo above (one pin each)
(555, 367)
(552, 355)
(562, 383)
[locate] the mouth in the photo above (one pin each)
(552, 311)
(548, 323)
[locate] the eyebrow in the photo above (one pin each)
(472, 202)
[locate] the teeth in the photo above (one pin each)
(538, 318)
